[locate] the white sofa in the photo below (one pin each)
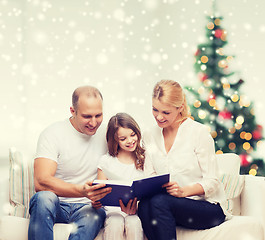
(246, 200)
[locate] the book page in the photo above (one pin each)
(114, 182)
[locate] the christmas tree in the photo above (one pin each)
(218, 103)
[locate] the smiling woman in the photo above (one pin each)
(184, 148)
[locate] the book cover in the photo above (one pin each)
(126, 190)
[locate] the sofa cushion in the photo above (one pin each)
(233, 186)
(21, 183)
(9, 223)
(238, 228)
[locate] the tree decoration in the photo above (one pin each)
(219, 102)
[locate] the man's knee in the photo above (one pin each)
(44, 199)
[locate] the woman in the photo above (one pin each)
(185, 149)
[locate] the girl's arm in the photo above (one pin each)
(101, 175)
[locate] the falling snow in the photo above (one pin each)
(48, 48)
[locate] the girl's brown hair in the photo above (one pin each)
(126, 121)
(171, 93)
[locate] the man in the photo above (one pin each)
(64, 168)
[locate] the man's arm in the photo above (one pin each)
(44, 180)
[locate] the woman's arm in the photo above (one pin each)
(205, 152)
(175, 190)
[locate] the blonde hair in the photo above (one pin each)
(171, 93)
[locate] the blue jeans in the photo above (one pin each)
(46, 210)
(162, 213)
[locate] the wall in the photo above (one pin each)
(48, 48)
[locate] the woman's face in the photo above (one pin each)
(165, 115)
(127, 139)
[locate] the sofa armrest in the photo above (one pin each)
(4, 191)
(253, 198)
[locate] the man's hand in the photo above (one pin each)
(95, 192)
(174, 189)
(131, 207)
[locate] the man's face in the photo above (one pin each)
(88, 116)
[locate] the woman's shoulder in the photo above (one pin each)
(195, 125)
(151, 131)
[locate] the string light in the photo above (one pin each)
(202, 114)
(248, 136)
(253, 172)
(214, 134)
(210, 25)
(242, 135)
(201, 90)
(232, 130)
(204, 59)
(246, 145)
(223, 37)
(250, 150)
(207, 83)
(220, 51)
(229, 58)
(226, 86)
(259, 143)
(234, 98)
(232, 146)
(238, 126)
(203, 67)
(219, 152)
(222, 63)
(197, 104)
(212, 102)
(240, 120)
(217, 21)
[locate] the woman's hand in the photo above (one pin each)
(174, 189)
(96, 204)
(131, 207)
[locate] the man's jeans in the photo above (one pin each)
(46, 210)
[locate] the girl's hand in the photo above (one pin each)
(174, 189)
(96, 204)
(131, 207)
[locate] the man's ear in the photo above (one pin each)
(72, 110)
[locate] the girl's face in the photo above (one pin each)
(127, 139)
(165, 115)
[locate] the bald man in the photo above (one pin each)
(64, 168)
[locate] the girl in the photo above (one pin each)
(124, 161)
(185, 149)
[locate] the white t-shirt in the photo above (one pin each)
(76, 154)
(190, 160)
(116, 170)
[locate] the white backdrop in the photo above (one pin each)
(50, 47)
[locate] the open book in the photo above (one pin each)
(126, 190)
